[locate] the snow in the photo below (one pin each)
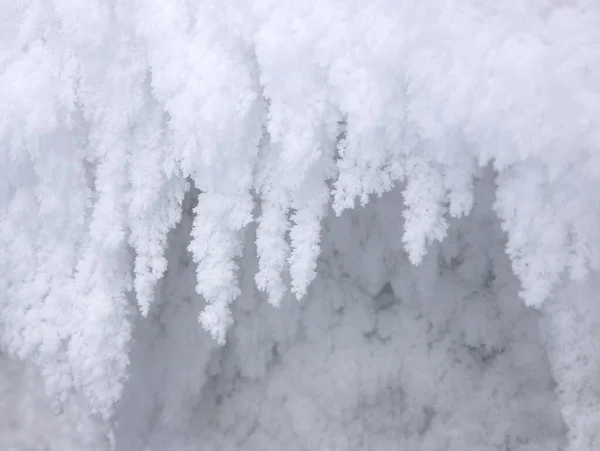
(184, 263)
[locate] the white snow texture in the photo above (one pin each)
(173, 173)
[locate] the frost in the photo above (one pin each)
(278, 113)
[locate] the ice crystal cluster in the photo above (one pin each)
(257, 123)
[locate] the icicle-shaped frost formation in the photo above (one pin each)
(109, 110)
(302, 130)
(205, 77)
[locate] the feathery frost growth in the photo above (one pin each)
(275, 111)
